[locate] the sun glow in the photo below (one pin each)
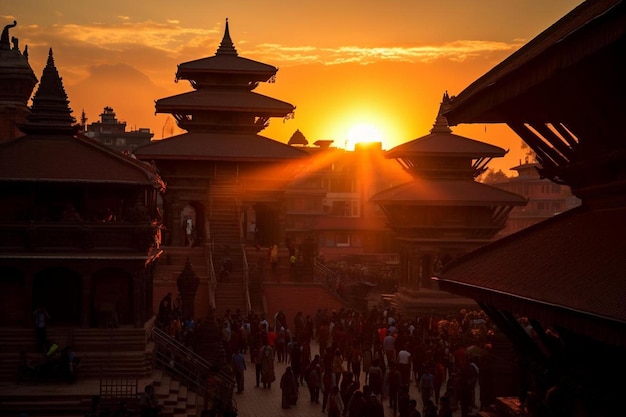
(362, 133)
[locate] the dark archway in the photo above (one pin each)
(267, 225)
(12, 298)
(200, 221)
(59, 291)
(112, 298)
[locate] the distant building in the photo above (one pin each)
(545, 198)
(328, 200)
(111, 132)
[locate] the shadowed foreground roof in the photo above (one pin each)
(557, 269)
(63, 158)
(216, 146)
(448, 193)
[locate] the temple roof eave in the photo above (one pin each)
(226, 64)
(219, 146)
(575, 249)
(239, 101)
(448, 193)
(445, 144)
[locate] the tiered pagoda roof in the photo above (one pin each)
(444, 166)
(222, 115)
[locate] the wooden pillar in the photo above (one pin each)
(28, 298)
(85, 316)
(139, 298)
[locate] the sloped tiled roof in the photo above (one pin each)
(226, 64)
(240, 101)
(442, 142)
(443, 192)
(63, 158)
(52, 152)
(446, 144)
(226, 60)
(219, 146)
(573, 262)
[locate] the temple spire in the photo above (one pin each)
(441, 122)
(50, 112)
(226, 47)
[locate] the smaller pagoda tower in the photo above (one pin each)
(443, 212)
(17, 81)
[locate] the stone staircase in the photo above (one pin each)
(119, 350)
(227, 243)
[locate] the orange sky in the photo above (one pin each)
(342, 63)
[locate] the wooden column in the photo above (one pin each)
(85, 315)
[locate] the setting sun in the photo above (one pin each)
(362, 133)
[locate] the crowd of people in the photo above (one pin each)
(366, 360)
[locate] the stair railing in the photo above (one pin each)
(246, 278)
(208, 253)
(326, 276)
(211, 382)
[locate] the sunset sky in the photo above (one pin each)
(369, 69)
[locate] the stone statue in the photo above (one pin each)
(4, 40)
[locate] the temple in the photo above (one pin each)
(442, 213)
(221, 173)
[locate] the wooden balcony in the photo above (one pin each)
(79, 237)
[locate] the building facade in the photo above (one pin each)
(112, 132)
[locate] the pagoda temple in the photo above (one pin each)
(79, 238)
(221, 170)
(443, 212)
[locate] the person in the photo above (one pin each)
(404, 405)
(328, 382)
(367, 361)
(188, 222)
(445, 410)
(413, 411)
(356, 405)
(337, 365)
(430, 409)
(239, 367)
(427, 382)
(335, 403)
(376, 378)
(289, 388)
(164, 315)
(355, 360)
(393, 380)
(274, 257)
(267, 367)
(314, 382)
(41, 320)
(256, 354)
(148, 404)
(404, 363)
(252, 232)
(374, 407)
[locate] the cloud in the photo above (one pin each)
(453, 51)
